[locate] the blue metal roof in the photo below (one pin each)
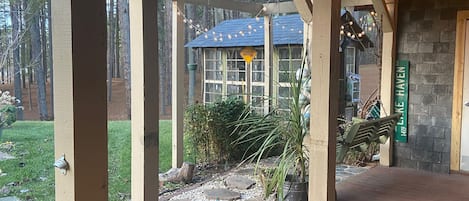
(287, 29)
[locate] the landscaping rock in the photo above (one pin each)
(239, 182)
(5, 156)
(221, 194)
(246, 171)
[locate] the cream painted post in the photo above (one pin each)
(145, 94)
(79, 37)
(386, 93)
(268, 63)
(387, 75)
(325, 89)
(178, 66)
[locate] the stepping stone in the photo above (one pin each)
(221, 194)
(246, 171)
(13, 198)
(239, 182)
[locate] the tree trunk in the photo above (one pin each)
(166, 71)
(111, 49)
(39, 68)
(124, 30)
(50, 59)
(14, 9)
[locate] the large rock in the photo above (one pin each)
(239, 182)
(221, 194)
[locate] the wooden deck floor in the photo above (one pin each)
(396, 184)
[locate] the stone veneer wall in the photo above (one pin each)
(426, 37)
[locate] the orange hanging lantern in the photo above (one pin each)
(248, 54)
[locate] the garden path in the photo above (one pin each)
(219, 183)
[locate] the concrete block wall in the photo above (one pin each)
(426, 37)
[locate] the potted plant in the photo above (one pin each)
(284, 130)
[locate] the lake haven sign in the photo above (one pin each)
(401, 99)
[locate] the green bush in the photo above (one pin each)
(8, 114)
(211, 132)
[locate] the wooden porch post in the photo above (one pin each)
(178, 66)
(268, 62)
(145, 88)
(79, 37)
(387, 71)
(325, 89)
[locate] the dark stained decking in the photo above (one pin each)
(397, 184)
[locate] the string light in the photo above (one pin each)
(367, 24)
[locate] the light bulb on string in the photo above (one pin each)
(342, 32)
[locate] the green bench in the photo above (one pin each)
(365, 132)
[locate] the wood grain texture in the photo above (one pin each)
(462, 17)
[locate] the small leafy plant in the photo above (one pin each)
(8, 109)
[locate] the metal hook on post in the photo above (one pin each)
(62, 164)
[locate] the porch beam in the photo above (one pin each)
(387, 85)
(305, 8)
(325, 89)
(352, 3)
(79, 37)
(247, 7)
(388, 20)
(279, 8)
(145, 110)
(178, 67)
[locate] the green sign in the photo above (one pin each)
(401, 99)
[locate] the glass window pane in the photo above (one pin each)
(258, 91)
(283, 103)
(213, 88)
(233, 76)
(284, 92)
(257, 101)
(258, 65)
(284, 65)
(209, 75)
(283, 53)
(296, 52)
(234, 89)
(296, 64)
(258, 77)
(284, 77)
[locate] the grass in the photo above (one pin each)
(30, 176)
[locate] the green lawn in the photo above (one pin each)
(31, 174)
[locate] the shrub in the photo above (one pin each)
(8, 109)
(211, 132)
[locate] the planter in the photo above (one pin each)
(295, 191)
